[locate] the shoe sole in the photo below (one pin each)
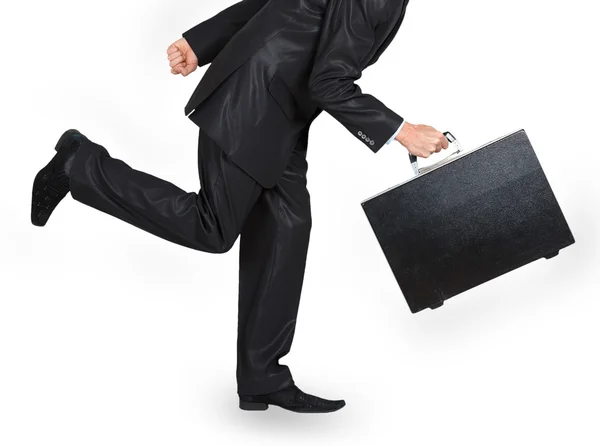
(38, 183)
(244, 405)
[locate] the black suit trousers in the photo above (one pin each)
(273, 225)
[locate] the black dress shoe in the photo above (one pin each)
(51, 184)
(290, 398)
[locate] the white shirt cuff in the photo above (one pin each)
(397, 131)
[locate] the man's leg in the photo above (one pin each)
(273, 248)
(209, 220)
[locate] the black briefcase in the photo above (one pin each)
(468, 219)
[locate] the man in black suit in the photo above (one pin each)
(275, 66)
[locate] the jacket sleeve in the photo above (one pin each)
(346, 41)
(208, 38)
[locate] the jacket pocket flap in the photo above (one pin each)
(282, 94)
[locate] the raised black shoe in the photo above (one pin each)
(290, 398)
(51, 184)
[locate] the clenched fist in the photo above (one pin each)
(181, 58)
(421, 140)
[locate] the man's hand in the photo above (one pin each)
(421, 140)
(181, 57)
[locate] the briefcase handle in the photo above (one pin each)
(451, 139)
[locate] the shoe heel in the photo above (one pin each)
(64, 136)
(245, 405)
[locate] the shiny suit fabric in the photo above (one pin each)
(273, 226)
(283, 63)
(275, 66)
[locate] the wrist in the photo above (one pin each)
(404, 134)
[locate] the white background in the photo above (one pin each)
(109, 335)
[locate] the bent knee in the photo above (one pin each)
(226, 245)
(215, 245)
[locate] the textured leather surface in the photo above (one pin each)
(294, 399)
(314, 49)
(475, 218)
(51, 184)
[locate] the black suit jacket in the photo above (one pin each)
(276, 64)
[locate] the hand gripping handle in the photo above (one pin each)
(451, 139)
